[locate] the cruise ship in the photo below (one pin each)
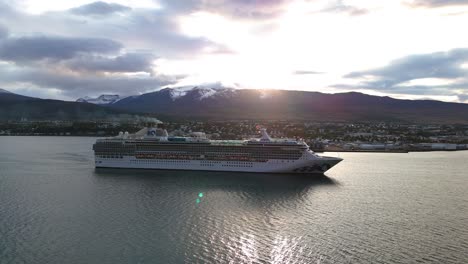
(153, 148)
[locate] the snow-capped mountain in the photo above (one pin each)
(225, 103)
(199, 92)
(105, 99)
(17, 107)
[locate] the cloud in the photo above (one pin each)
(437, 3)
(159, 31)
(142, 29)
(244, 9)
(447, 65)
(305, 72)
(340, 7)
(426, 90)
(50, 58)
(3, 32)
(73, 66)
(99, 8)
(4, 8)
(463, 97)
(129, 62)
(75, 54)
(23, 49)
(78, 85)
(441, 73)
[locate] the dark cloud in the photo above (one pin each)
(245, 9)
(75, 86)
(426, 90)
(340, 7)
(393, 78)
(67, 58)
(24, 49)
(130, 62)
(3, 32)
(158, 31)
(99, 8)
(437, 3)
(146, 29)
(304, 72)
(72, 66)
(445, 65)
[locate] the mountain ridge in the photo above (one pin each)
(229, 103)
(224, 103)
(4, 91)
(18, 107)
(104, 99)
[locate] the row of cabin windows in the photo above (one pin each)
(187, 146)
(217, 149)
(223, 152)
(253, 158)
(109, 156)
(190, 146)
(234, 165)
(209, 158)
(103, 153)
(215, 157)
(160, 161)
(201, 150)
(271, 153)
(205, 165)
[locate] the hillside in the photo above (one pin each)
(227, 103)
(16, 107)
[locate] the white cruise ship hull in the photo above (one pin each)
(147, 149)
(304, 165)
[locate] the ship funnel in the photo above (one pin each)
(265, 136)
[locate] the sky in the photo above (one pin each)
(63, 49)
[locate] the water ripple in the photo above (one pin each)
(56, 208)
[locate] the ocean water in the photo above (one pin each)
(371, 208)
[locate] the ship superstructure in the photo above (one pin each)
(153, 148)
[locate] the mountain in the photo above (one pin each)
(227, 103)
(104, 99)
(16, 107)
(221, 103)
(9, 97)
(4, 91)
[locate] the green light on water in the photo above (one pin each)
(200, 195)
(198, 200)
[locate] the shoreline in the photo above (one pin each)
(316, 151)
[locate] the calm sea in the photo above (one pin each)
(371, 208)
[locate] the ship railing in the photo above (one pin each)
(228, 142)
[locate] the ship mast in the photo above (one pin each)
(265, 137)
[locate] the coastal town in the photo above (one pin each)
(339, 137)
